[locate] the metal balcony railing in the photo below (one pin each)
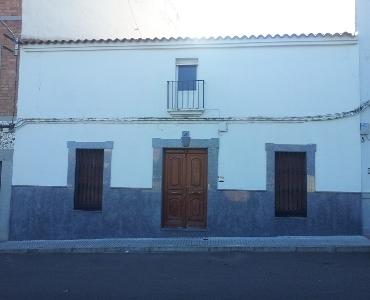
(185, 95)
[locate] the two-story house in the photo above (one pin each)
(219, 136)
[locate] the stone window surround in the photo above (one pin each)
(212, 145)
(309, 149)
(107, 146)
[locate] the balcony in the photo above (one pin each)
(185, 98)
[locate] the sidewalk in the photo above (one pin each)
(220, 244)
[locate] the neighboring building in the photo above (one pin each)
(363, 27)
(248, 136)
(10, 23)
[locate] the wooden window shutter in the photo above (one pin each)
(89, 179)
(290, 184)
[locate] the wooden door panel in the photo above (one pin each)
(185, 188)
(175, 171)
(196, 171)
(174, 189)
(175, 210)
(195, 205)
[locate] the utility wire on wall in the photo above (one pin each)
(256, 119)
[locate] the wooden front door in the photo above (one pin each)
(185, 188)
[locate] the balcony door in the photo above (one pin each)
(186, 76)
(185, 188)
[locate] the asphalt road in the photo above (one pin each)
(185, 276)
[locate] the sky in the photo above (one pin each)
(204, 17)
(191, 18)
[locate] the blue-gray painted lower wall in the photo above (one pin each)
(47, 213)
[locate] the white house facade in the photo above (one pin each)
(251, 99)
(243, 136)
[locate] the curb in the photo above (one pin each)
(156, 249)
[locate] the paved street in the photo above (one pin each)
(185, 276)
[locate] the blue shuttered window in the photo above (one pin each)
(187, 76)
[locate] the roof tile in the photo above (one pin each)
(171, 39)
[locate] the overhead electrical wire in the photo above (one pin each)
(252, 119)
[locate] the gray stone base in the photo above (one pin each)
(366, 214)
(47, 213)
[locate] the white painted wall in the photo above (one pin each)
(41, 154)
(239, 81)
